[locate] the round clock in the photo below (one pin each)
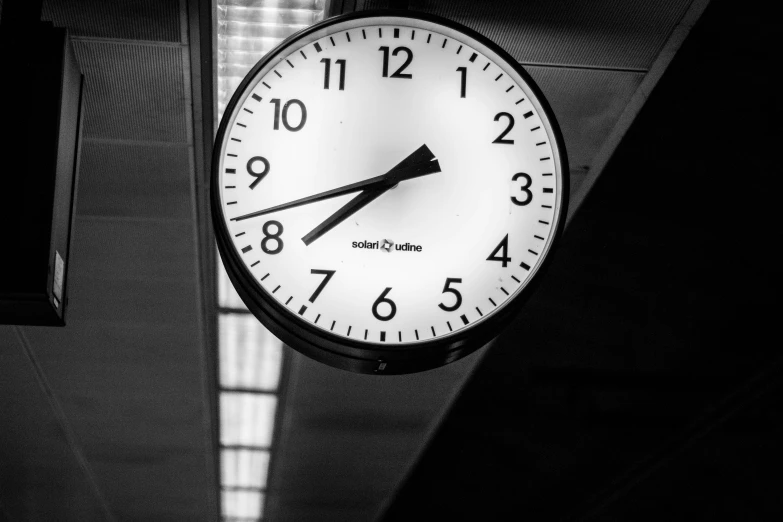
(385, 189)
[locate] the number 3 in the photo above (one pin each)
(525, 188)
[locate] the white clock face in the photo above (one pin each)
(394, 263)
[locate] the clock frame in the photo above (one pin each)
(368, 356)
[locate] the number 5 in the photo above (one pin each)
(446, 288)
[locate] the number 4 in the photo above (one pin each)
(503, 249)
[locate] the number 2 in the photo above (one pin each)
(501, 139)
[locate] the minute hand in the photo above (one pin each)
(420, 163)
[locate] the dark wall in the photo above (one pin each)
(643, 381)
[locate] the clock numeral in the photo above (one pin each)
(525, 188)
(286, 106)
(500, 139)
(270, 236)
(327, 66)
(463, 80)
(398, 73)
(457, 295)
(379, 301)
(258, 175)
(503, 249)
(329, 274)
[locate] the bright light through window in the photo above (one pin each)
(246, 419)
(244, 468)
(227, 296)
(242, 505)
(250, 356)
(248, 29)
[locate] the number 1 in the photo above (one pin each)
(463, 80)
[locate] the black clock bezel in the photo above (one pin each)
(362, 356)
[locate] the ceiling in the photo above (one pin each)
(114, 416)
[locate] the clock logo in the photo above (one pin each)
(418, 136)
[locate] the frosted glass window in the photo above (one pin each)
(248, 29)
(227, 296)
(243, 504)
(247, 419)
(250, 356)
(244, 468)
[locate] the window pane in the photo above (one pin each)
(243, 504)
(247, 29)
(246, 419)
(244, 468)
(227, 296)
(250, 356)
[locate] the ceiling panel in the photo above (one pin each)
(602, 33)
(586, 114)
(146, 302)
(41, 477)
(133, 92)
(157, 20)
(147, 181)
(348, 439)
(135, 250)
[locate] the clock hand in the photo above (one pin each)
(419, 163)
(343, 213)
(412, 167)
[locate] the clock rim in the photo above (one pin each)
(367, 356)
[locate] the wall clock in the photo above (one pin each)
(385, 189)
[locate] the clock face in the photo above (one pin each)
(383, 184)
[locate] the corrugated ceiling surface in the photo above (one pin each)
(134, 92)
(600, 33)
(157, 20)
(586, 114)
(134, 180)
(127, 368)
